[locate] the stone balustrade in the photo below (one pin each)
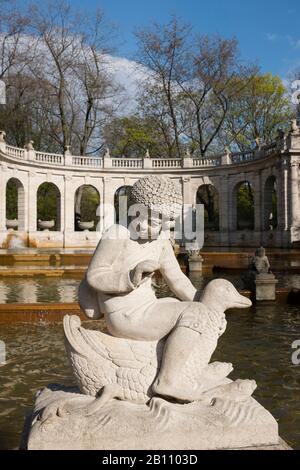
(124, 162)
(52, 158)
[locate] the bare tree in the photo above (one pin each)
(73, 62)
(207, 80)
(14, 53)
(192, 84)
(161, 48)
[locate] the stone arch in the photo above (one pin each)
(244, 213)
(208, 195)
(48, 202)
(15, 203)
(86, 207)
(270, 203)
(120, 207)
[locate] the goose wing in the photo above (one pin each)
(100, 359)
(92, 368)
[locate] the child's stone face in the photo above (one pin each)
(150, 227)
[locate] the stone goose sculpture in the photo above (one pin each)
(126, 369)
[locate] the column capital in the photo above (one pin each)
(186, 179)
(68, 178)
(3, 167)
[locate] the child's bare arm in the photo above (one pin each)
(177, 281)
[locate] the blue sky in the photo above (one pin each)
(268, 30)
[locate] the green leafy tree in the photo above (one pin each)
(132, 136)
(245, 207)
(256, 112)
(47, 203)
(11, 201)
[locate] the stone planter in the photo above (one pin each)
(46, 224)
(12, 224)
(86, 226)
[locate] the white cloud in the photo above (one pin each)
(295, 43)
(272, 37)
(128, 74)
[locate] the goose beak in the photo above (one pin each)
(242, 302)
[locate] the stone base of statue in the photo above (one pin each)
(196, 264)
(160, 425)
(265, 287)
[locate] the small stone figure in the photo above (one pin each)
(259, 278)
(260, 262)
(195, 260)
(294, 126)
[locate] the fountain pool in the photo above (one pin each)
(258, 341)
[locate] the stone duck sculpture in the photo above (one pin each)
(108, 367)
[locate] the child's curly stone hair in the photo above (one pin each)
(158, 193)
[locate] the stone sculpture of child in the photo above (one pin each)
(118, 285)
(260, 262)
(259, 266)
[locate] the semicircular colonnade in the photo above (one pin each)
(271, 168)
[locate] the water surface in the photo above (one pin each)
(258, 341)
(41, 289)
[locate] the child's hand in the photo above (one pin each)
(145, 267)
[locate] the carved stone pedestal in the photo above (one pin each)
(195, 264)
(265, 287)
(60, 421)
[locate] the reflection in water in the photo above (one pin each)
(258, 341)
(38, 290)
(29, 291)
(41, 289)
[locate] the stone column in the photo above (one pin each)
(187, 191)
(224, 210)
(232, 207)
(283, 221)
(68, 206)
(22, 208)
(31, 203)
(266, 200)
(107, 208)
(188, 200)
(3, 181)
(294, 194)
(256, 188)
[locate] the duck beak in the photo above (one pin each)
(243, 302)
